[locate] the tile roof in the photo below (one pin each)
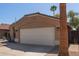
(4, 26)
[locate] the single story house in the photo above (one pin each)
(4, 31)
(37, 29)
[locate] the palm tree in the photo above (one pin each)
(71, 14)
(53, 8)
(63, 47)
(73, 21)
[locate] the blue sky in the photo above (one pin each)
(10, 12)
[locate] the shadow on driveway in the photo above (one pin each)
(31, 48)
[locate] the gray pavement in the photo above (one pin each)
(15, 49)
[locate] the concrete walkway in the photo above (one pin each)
(74, 50)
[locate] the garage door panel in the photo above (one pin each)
(39, 36)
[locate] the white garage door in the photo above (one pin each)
(38, 36)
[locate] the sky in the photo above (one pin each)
(11, 12)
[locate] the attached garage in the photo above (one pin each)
(36, 29)
(38, 36)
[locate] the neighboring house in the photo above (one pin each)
(37, 29)
(4, 31)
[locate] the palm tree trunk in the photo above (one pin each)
(53, 13)
(63, 47)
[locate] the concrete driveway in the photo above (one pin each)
(15, 49)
